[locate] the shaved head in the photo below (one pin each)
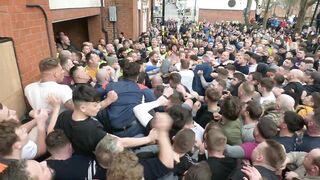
(285, 103)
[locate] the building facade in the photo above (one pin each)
(32, 25)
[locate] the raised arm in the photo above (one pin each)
(135, 142)
(112, 96)
(163, 123)
(55, 103)
(234, 151)
(141, 111)
(41, 117)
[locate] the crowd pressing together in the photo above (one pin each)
(206, 101)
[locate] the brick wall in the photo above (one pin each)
(27, 28)
(213, 15)
(129, 18)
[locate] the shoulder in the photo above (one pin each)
(142, 87)
(32, 85)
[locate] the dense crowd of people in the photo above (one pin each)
(205, 101)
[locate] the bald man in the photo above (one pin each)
(103, 78)
(275, 111)
(294, 88)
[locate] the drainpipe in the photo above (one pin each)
(102, 21)
(46, 21)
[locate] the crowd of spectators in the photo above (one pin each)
(206, 101)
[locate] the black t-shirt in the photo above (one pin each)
(154, 168)
(265, 173)
(287, 142)
(203, 116)
(242, 69)
(77, 167)
(185, 163)
(294, 89)
(221, 167)
(83, 135)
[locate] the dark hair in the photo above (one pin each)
(131, 70)
(256, 57)
(278, 79)
(103, 65)
(256, 76)
(185, 63)
(141, 78)
(73, 70)
(8, 136)
(56, 139)
(230, 108)
(267, 83)
(316, 77)
(194, 57)
(120, 51)
(85, 93)
(293, 120)
(262, 68)
(89, 56)
(230, 67)
(199, 171)
(239, 76)
(180, 116)
(152, 53)
(315, 99)
(175, 77)
(267, 127)
(16, 170)
(255, 110)
(48, 64)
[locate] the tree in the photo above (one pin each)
(265, 16)
(247, 12)
(304, 5)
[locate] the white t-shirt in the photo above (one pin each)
(29, 151)
(187, 78)
(37, 94)
(268, 99)
(253, 68)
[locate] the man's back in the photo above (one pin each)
(265, 173)
(221, 167)
(130, 94)
(187, 78)
(37, 94)
(77, 167)
(84, 135)
(196, 84)
(307, 143)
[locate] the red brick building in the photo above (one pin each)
(32, 25)
(217, 15)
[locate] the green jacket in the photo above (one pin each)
(232, 130)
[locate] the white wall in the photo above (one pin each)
(65, 4)
(223, 4)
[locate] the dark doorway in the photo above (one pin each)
(76, 30)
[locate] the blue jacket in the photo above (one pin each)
(130, 94)
(196, 84)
